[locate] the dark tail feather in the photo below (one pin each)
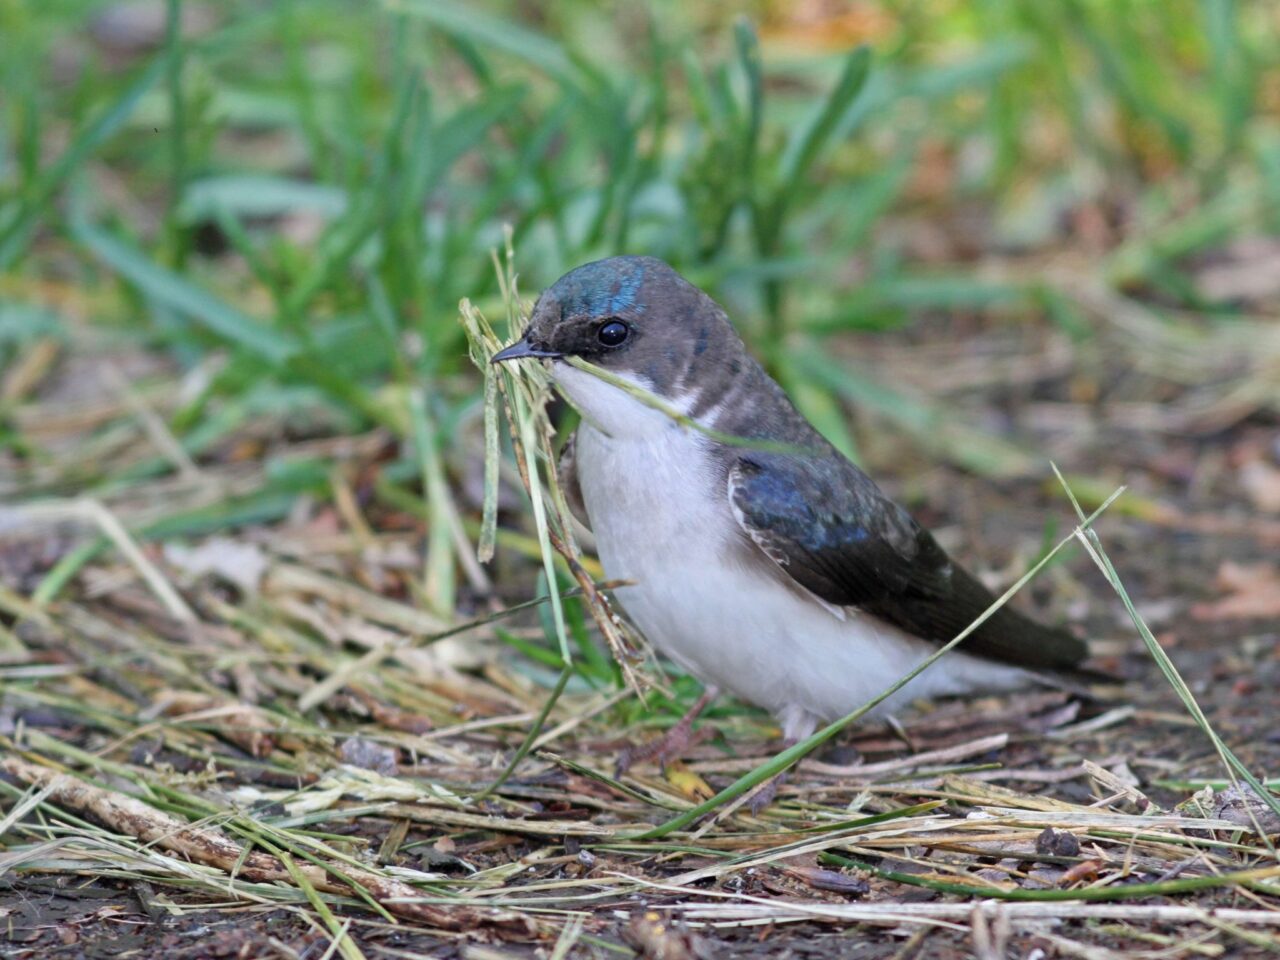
(1055, 656)
(1007, 636)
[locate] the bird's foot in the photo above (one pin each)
(671, 745)
(766, 793)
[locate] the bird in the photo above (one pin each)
(757, 556)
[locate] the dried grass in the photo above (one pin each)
(332, 744)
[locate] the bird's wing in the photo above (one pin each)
(567, 473)
(828, 527)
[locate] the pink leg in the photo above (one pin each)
(673, 743)
(797, 725)
(769, 791)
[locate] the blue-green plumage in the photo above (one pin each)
(603, 293)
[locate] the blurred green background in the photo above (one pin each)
(287, 200)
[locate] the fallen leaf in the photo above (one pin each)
(1087, 870)
(832, 881)
(687, 782)
(1253, 592)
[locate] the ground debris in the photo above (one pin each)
(202, 845)
(1058, 843)
(206, 750)
(656, 937)
(1252, 592)
(1240, 803)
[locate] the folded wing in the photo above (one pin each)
(828, 527)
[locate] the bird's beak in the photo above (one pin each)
(520, 349)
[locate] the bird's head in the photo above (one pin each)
(637, 318)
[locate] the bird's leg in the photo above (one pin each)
(768, 792)
(797, 725)
(671, 744)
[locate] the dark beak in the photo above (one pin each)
(520, 349)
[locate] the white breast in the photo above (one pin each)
(661, 517)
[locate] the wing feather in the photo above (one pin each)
(831, 530)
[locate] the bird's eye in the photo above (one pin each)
(613, 333)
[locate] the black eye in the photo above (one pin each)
(613, 333)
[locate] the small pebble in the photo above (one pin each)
(1057, 843)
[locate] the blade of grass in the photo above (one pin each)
(337, 929)
(1126, 891)
(662, 406)
(438, 574)
(174, 48)
(808, 141)
(531, 737)
(748, 46)
(489, 517)
(174, 291)
(1093, 545)
(37, 197)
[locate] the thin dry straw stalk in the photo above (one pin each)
(89, 510)
(657, 403)
(522, 392)
(150, 826)
(755, 909)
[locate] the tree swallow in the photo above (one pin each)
(768, 566)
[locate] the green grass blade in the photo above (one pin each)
(531, 737)
(810, 140)
(748, 45)
(37, 197)
(1120, 891)
(1093, 545)
(184, 297)
(174, 48)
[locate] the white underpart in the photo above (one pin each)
(661, 520)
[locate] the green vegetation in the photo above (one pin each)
(234, 238)
(309, 189)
